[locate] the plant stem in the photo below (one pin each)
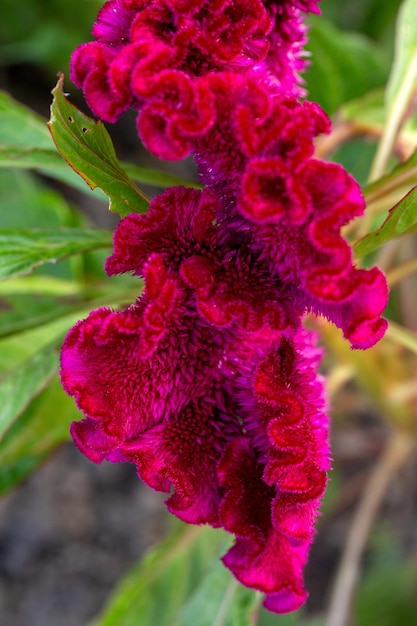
(402, 336)
(395, 116)
(396, 453)
(407, 268)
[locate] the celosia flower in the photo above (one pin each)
(258, 155)
(208, 383)
(151, 55)
(209, 386)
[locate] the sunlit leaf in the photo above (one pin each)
(41, 285)
(21, 385)
(402, 220)
(86, 145)
(403, 75)
(23, 250)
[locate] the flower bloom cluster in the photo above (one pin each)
(209, 383)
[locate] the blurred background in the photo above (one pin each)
(71, 529)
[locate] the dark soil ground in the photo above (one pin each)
(67, 536)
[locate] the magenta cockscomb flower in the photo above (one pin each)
(295, 204)
(210, 387)
(208, 383)
(151, 55)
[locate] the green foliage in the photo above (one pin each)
(86, 146)
(401, 85)
(45, 32)
(25, 143)
(372, 17)
(402, 220)
(387, 594)
(181, 582)
(20, 386)
(23, 250)
(36, 433)
(343, 65)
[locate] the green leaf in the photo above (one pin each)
(17, 348)
(172, 570)
(20, 127)
(21, 385)
(388, 190)
(27, 203)
(86, 146)
(23, 250)
(47, 162)
(38, 431)
(344, 65)
(50, 163)
(386, 594)
(41, 285)
(25, 143)
(219, 601)
(367, 112)
(401, 220)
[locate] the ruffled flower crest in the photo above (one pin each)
(208, 382)
(153, 55)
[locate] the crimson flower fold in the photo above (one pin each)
(225, 411)
(209, 383)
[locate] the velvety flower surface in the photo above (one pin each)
(208, 382)
(151, 55)
(210, 387)
(293, 204)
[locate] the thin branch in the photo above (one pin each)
(394, 457)
(395, 275)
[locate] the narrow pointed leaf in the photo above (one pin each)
(157, 178)
(392, 186)
(21, 385)
(21, 251)
(87, 147)
(401, 220)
